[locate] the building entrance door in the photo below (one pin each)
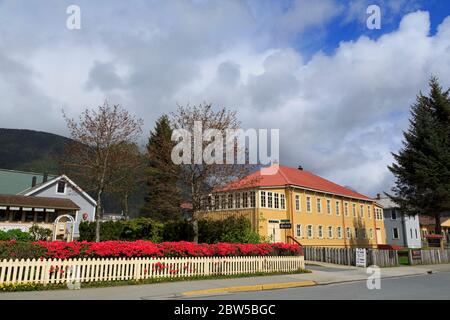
(379, 240)
(274, 231)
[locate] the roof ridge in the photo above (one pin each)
(283, 175)
(28, 172)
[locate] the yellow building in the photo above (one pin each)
(296, 203)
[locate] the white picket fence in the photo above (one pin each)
(90, 270)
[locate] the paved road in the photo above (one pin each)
(433, 286)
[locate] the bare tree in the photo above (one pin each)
(97, 156)
(130, 175)
(201, 179)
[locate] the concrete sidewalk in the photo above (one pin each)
(322, 274)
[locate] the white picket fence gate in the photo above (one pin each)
(90, 270)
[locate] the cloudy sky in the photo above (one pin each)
(339, 92)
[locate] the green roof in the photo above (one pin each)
(14, 182)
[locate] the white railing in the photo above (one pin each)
(90, 270)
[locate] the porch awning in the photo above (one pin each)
(37, 202)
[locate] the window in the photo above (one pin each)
(298, 231)
(230, 201)
(216, 202)
(245, 200)
(297, 202)
(320, 232)
(61, 187)
(282, 202)
(328, 206)
(330, 232)
(416, 233)
(364, 233)
(393, 214)
(319, 205)
(237, 197)
(371, 234)
(338, 208)
(394, 233)
(308, 204)
(369, 215)
(277, 201)
(3, 214)
(223, 200)
(263, 199)
(309, 230)
(339, 232)
(346, 209)
(252, 199)
(361, 211)
(354, 210)
(269, 200)
(356, 233)
(348, 233)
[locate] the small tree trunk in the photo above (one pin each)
(98, 215)
(195, 228)
(194, 208)
(126, 204)
(437, 226)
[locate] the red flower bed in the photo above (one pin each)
(141, 248)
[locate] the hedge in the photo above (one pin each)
(233, 230)
(140, 248)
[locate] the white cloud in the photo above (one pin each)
(340, 115)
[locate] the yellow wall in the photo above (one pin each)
(261, 217)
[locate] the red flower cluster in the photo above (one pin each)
(141, 248)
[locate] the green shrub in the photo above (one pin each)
(38, 233)
(232, 230)
(109, 230)
(178, 230)
(15, 234)
(20, 250)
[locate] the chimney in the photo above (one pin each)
(378, 196)
(45, 177)
(300, 167)
(33, 182)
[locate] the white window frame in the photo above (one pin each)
(329, 211)
(346, 212)
(310, 229)
(354, 210)
(319, 205)
(393, 212)
(339, 232)
(361, 211)
(338, 207)
(65, 187)
(298, 229)
(270, 200)
(393, 234)
(282, 201)
(263, 199)
(330, 228)
(308, 204)
(320, 231)
(369, 214)
(276, 200)
(348, 232)
(371, 234)
(297, 203)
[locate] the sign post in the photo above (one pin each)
(361, 257)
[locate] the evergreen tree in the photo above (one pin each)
(422, 167)
(163, 198)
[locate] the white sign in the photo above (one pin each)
(361, 257)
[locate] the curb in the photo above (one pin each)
(257, 287)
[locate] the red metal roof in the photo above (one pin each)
(287, 176)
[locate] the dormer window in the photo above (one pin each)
(61, 188)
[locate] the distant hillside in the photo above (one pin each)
(30, 150)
